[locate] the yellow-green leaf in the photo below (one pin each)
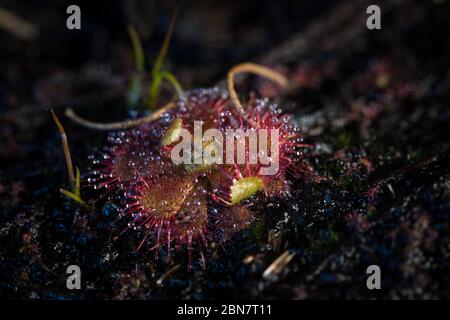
(172, 133)
(71, 195)
(244, 188)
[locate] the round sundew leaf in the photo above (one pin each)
(244, 188)
(167, 194)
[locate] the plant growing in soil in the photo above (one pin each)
(191, 205)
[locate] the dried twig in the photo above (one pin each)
(278, 265)
(167, 274)
(256, 69)
(118, 125)
(17, 26)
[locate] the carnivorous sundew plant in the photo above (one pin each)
(187, 175)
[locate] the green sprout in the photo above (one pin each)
(137, 49)
(74, 179)
(157, 73)
(134, 91)
(156, 85)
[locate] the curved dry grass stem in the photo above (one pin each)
(118, 125)
(65, 145)
(256, 69)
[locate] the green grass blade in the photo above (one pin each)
(154, 90)
(163, 51)
(137, 49)
(176, 85)
(134, 91)
(72, 196)
(155, 87)
(77, 183)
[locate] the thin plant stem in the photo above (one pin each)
(256, 69)
(118, 125)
